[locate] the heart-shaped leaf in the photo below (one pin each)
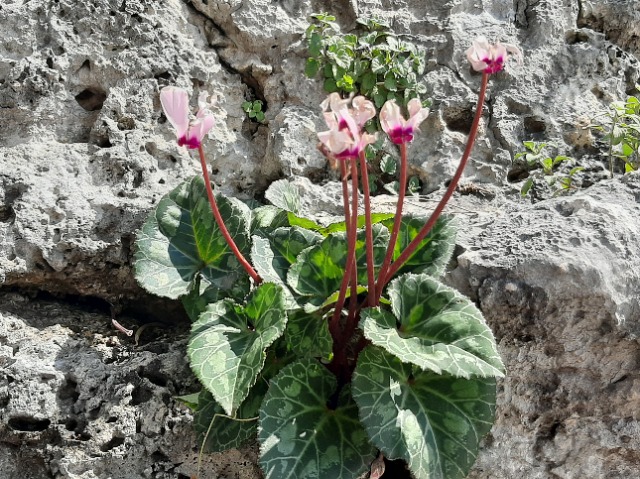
(433, 327)
(319, 270)
(433, 422)
(308, 335)
(228, 342)
(273, 253)
(203, 294)
(267, 218)
(181, 240)
(285, 195)
(303, 435)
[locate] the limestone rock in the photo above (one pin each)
(79, 401)
(86, 152)
(558, 283)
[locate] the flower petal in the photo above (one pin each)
(334, 102)
(335, 141)
(489, 58)
(390, 117)
(199, 128)
(175, 103)
(515, 52)
(363, 110)
(417, 114)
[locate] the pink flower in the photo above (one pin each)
(488, 58)
(363, 110)
(393, 123)
(190, 132)
(344, 139)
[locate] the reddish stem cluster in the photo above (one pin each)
(343, 337)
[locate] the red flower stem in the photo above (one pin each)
(371, 279)
(223, 229)
(350, 277)
(352, 317)
(396, 227)
(406, 254)
(353, 230)
(335, 320)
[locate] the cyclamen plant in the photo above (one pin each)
(336, 345)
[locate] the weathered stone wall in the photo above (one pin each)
(85, 152)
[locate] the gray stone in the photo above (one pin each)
(558, 283)
(81, 401)
(85, 153)
(290, 149)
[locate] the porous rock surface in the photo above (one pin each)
(558, 282)
(85, 153)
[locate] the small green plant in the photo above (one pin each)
(373, 62)
(335, 345)
(542, 166)
(253, 109)
(620, 123)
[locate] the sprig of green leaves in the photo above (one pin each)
(253, 109)
(373, 62)
(543, 166)
(620, 123)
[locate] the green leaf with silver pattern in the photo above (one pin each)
(227, 345)
(434, 422)
(181, 240)
(434, 251)
(434, 327)
(302, 435)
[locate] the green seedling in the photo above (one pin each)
(253, 109)
(543, 166)
(620, 123)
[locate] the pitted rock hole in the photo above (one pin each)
(159, 456)
(78, 427)
(113, 442)
(91, 99)
(28, 424)
(140, 394)
(126, 123)
(534, 128)
(576, 36)
(69, 391)
(11, 194)
(163, 76)
(7, 214)
(4, 400)
(458, 118)
(518, 173)
(153, 372)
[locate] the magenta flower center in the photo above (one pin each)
(401, 134)
(494, 65)
(190, 142)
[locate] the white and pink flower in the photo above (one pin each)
(488, 58)
(393, 123)
(189, 131)
(345, 119)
